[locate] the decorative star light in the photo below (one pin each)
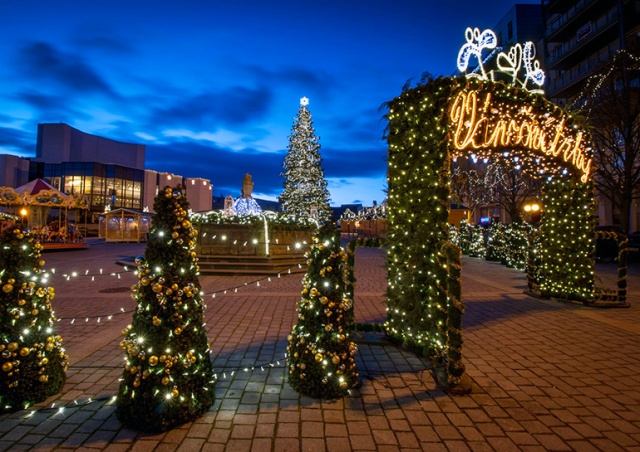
(508, 64)
(304, 101)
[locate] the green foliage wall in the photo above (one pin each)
(418, 214)
(566, 241)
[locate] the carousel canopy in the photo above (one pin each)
(40, 193)
(36, 186)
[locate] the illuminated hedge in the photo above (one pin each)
(566, 241)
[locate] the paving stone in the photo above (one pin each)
(528, 394)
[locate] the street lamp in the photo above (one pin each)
(533, 210)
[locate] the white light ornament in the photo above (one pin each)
(509, 64)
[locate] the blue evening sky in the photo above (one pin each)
(212, 87)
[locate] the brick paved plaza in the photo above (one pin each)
(545, 375)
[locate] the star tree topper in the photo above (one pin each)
(304, 101)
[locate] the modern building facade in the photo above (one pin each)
(109, 173)
(14, 170)
(581, 36)
(522, 23)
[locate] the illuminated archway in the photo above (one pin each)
(448, 117)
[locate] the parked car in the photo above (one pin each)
(607, 248)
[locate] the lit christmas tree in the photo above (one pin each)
(168, 378)
(464, 236)
(305, 188)
(31, 354)
(476, 246)
(321, 352)
(495, 243)
(516, 245)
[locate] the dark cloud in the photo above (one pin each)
(312, 81)
(52, 108)
(18, 141)
(340, 163)
(225, 168)
(41, 61)
(208, 111)
(106, 44)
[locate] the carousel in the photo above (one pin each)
(46, 211)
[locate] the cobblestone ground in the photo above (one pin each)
(545, 375)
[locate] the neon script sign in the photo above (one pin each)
(509, 65)
(480, 123)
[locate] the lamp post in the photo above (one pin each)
(532, 209)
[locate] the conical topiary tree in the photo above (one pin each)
(321, 354)
(305, 188)
(33, 362)
(168, 377)
(476, 245)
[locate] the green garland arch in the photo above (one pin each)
(423, 138)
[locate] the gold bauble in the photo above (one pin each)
(145, 281)
(43, 378)
(186, 224)
(136, 382)
(153, 360)
(156, 321)
(7, 288)
(50, 346)
(7, 366)
(175, 235)
(319, 357)
(157, 288)
(177, 331)
(12, 347)
(165, 381)
(174, 392)
(21, 302)
(344, 385)
(335, 360)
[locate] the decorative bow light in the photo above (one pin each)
(509, 63)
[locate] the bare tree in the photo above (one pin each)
(510, 187)
(503, 182)
(612, 107)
